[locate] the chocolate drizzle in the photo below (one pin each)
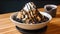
(31, 15)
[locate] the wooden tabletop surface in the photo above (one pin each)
(7, 27)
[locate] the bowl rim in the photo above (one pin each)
(30, 24)
(51, 5)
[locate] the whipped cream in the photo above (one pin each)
(29, 6)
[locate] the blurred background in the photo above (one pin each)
(7, 6)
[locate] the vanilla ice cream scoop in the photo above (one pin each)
(29, 14)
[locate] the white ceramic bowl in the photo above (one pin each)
(31, 26)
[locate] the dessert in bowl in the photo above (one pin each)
(33, 20)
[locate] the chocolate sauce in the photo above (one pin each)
(48, 8)
(20, 20)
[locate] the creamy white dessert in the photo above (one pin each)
(29, 14)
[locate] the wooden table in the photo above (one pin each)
(7, 27)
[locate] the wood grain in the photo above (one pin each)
(7, 27)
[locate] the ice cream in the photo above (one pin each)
(29, 14)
